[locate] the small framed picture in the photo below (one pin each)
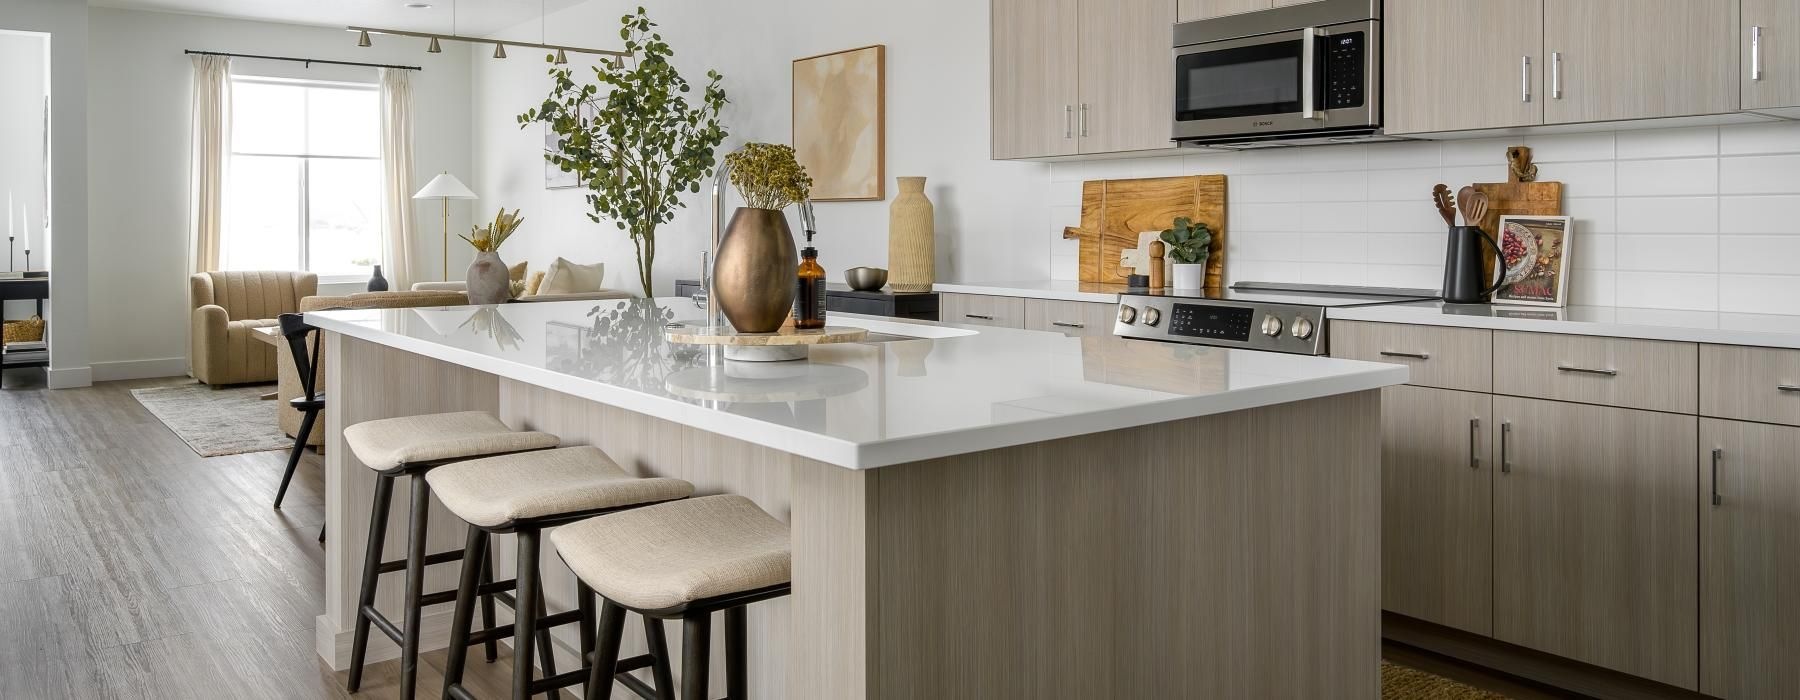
(1536, 251)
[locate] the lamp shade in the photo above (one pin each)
(445, 186)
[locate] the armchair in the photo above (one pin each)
(226, 306)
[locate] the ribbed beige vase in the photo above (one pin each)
(911, 242)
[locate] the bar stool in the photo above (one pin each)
(524, 494)
(682, 560)
(412, 446)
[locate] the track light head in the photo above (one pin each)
(562, 59)
(362, 39)
(434, 48)
(499, 50)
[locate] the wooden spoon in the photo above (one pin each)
(1465, 198)
(1477, 209)
(1440, 195)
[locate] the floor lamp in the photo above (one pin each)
(444, 188)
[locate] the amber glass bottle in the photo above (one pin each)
(809, 299)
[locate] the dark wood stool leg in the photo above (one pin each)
(546, 647)
(306, 425)
(696, 643)
(658, 641)
(736, 633)
(415, 584)
(584, 602)
(378, 520)
(472, 576)
(606, 656)
(492, 647)
(524, 619)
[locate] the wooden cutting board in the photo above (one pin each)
(1114, 212)
(1520, 195)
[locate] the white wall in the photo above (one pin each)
(23, 178)
(937, 126)
(66, 23)
(140, 95)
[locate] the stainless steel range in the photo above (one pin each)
(1250, 315)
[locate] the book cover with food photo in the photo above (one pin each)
(1536, 252)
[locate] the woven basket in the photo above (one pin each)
(26, 331)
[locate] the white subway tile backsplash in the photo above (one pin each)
(1353, 156)
(1405, 276)
(1757, 139)
(1564, 148)
(1594, 251)
(1336, 187)
(1760, 255)
(1668, 215)
(1334, 248)
(1334, 217)
(1666, 253)
(1458, 176)
(1592, 288)
(1668, 143)
(1759, 174)
(1477, 151)
(1417, 216)
(1768, 214)
(1408, 184)
(1265, 246)
(1760, 294)
(1405, 154)
(1407, 248)
(1667, 290)
(1263, 188)
(1263, 217)
(1593, 214)
(1587, 179)
(1668, 177)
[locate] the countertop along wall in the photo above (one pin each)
(138, 134)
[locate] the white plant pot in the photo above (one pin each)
(1188, 276)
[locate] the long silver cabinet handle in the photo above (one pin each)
(1584, 370)
(1787, 387)
(1474, 433)
(1556, 75)
(1084, 120)
(1756, 53)
(1505, 440)
(1068, 121)
(979, 316)
(1525, 79)
(1717, 455)
(1413, 355)
(1062, 324)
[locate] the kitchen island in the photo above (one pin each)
(976, 513)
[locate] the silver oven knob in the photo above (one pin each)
(1127, 314)
(1271, 326)
(1302, 328)
(1152, 316)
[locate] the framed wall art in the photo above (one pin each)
(840, 123)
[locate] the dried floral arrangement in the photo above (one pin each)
(768, 176)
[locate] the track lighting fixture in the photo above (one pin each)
(499, 50)
(362, 40)
(562, 59)
(434, 48)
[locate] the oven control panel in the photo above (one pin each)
(1286, 328)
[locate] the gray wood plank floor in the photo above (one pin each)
(131, 567)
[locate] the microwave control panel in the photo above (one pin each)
(1344, 73)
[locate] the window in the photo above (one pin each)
(303, 188)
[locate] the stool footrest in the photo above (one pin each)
(388, 567)
(380, 622)
(499, 632)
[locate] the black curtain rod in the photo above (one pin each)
(308, 61)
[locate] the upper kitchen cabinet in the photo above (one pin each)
(1771, 54)
(1463, 65)
(1190, 10)
(1082, 76)
(1034, 73)
(1639, 59)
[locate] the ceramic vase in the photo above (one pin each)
(911, 238)
(755, 271)
(377, 283)
(1188, 276)
(488, 282)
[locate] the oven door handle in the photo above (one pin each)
(1309, 109)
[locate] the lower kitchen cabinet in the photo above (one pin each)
(981, 310)
(1437, 506)
(1595, 554)
(1072, 318)
(1750, 560)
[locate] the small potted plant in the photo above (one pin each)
(488, 281)
(753, 273)
(1189, 244)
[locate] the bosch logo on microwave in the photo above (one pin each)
(1262, 124)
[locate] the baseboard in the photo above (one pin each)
(139, 369)
(69, 377)
(1548, 669)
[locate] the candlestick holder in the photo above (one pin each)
(27, 259)
(9, 253)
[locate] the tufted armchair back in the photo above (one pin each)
(253, 294)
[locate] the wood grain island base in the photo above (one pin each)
(1230, 555)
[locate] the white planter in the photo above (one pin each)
(1185, 276)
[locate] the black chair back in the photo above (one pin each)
(299, 335)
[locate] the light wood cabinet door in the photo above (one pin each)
(1639, 59)
(1770, 42)
(981, 310)
(1191, 10)
(1439, 356)
(1071, 318)
(1595, 554)
(1437, 506)
(1127, 82)
(1034, 78)
(1462, 65)
(1750, 564)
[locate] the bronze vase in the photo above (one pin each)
(755, 271)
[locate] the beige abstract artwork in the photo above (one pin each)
(838, 123)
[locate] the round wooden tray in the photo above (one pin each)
(786, 344)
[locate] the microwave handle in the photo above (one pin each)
(1309, 108)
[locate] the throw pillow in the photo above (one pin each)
(516, 273)
(537, 282)
(569, 278)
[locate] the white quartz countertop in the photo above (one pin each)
(1062, 290)
(913, 391)
(1761, 330)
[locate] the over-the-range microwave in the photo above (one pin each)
(1292, 75)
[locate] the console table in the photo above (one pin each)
(921, 306)
(27, 289)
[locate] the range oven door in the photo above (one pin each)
(1301, 82)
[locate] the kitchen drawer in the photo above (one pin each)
(1756, 384)
(982, 310)
(1438, 356)
(1647, 374)
(1075, 318)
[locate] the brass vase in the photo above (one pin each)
(754, 273)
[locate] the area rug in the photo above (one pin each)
(1402, 683)
(216, 422)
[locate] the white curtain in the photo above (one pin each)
(211, 154)
(397, 176)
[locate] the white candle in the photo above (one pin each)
(25, 225)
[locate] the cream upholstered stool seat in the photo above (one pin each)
(412, 446)
(680, 560)
(525, 493)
